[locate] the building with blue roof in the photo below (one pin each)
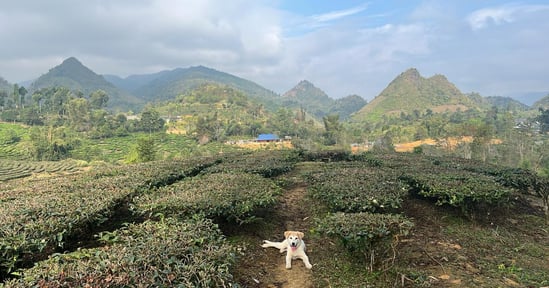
(267, 138)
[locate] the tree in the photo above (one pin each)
(98, 99)
(145, 150)
(79, 114)
(3, 98)
(151, 121)
(15, 95)
(332, 128)
(22, 92)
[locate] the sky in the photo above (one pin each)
(343, 47)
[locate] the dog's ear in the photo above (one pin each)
(287, 233)
(300, 235)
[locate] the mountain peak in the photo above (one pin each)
(411, 75)
(72, 61)
(304, 87)
(410, 91)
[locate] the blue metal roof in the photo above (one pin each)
(267, 137)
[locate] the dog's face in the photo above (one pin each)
(293, 238)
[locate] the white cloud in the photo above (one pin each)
(335, 15)
(356, 51)
(501, 15)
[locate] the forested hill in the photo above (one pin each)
(168, 85)
(74, 75)
(410, 91)
(305, 95)
(542, 103)
(308, 96)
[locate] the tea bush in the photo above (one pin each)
(468, 191)
(368, 234)
(168, 253)
(234, 196)
(265, 163)
(42, 215)
(357, 189)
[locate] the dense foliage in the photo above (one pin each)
(357, 188)
(373, 236)
(190, 253)
(231, 196)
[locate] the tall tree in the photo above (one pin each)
(99, 99)
(332, 128)
(151, 121)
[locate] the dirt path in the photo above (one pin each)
(266, 267)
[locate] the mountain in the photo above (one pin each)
(410, 91)
(542, 103)
(74, 75)
(506, 103)
(306, 95)
(529, 98)
(167, 85)
(134, 82)
(346, 106)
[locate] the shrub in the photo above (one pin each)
(370, 235)
(167, 253)
(234, 196)
(265, 163)
(357, 189)
(41, 216)
(462, 189)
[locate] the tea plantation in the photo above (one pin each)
(162, 223)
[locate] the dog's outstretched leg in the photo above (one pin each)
(305, 259)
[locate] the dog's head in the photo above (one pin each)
(294, 238)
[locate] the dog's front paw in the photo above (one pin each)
(309, 266)
(288, 266)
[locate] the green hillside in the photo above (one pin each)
(542, 103)
(173, 83)
(346, 106)
(311, 98)
(75, 76)
(410, 91)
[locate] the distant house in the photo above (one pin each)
(267, 138)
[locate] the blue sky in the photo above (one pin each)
(343, 47)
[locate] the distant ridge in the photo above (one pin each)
(167, 85)
(74, 75)
(410, 91)
(542, 103)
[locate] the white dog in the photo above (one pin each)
(293, 245)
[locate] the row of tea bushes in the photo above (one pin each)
(232, 196)
(41, 215)
(361, 200)
(468, 191)
(265, 163)
(167, 253)
(19, 169)
(357, 189)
